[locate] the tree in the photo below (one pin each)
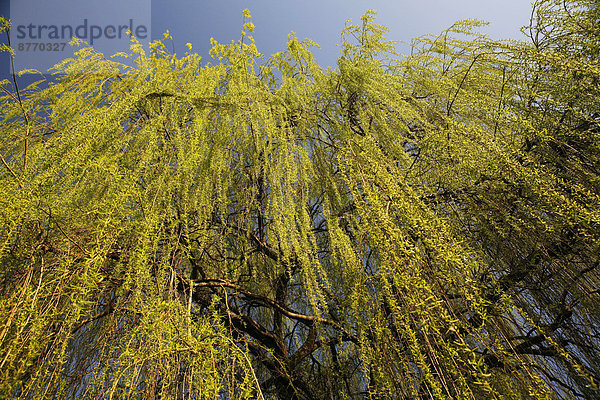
(419, 227)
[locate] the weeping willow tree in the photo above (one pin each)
(417, 227)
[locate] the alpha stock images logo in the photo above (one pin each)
(42, 30)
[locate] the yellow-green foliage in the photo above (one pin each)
(396, 227)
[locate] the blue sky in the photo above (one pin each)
(322, 21)
(196, 21)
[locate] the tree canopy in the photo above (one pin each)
(409, 227)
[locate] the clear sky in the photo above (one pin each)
(196, 21)
(322, 20)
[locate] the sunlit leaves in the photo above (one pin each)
(404, 227)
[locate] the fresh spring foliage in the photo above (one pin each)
(397, 227)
